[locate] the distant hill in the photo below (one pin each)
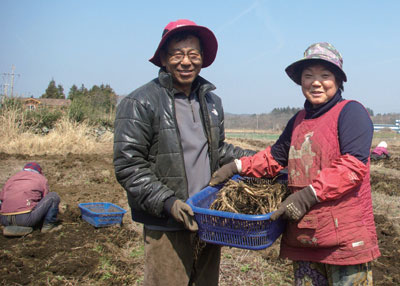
(278, 118)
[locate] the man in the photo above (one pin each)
(169, 138)
(26, 201)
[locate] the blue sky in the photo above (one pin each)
(96, 41)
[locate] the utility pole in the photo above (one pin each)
(12, 76)
(257, 120)
(12, 80)
(5, 87)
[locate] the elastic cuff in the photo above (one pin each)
(238, 165)
(314, 192)
(168, 204)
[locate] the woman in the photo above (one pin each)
(380, 152)
(330, 235)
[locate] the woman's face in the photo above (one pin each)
(318, 84)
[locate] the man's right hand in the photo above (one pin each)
(223, 174)
(183, 213)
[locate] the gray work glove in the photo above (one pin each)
(296, 205)
(183, 213)
(223, 174)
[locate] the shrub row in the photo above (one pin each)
(45, 118)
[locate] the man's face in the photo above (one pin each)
(183, 60)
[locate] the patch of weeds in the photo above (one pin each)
(106, 276)
(139, 281)
(245, 268)
(98, 248)
(278, 275)
(107, 268)
(137, 252)
(59, 278)
(227, 255)
(105, 263)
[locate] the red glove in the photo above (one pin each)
(296, 205)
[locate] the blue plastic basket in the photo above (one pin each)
(253, 232)
(102, 214)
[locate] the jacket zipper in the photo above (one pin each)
(191, 107)
(207, 126)
(172, 98)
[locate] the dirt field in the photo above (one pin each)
(80, 254)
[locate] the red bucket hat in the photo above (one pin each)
(207, 39)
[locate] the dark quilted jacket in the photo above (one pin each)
(148, 157)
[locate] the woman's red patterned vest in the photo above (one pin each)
(337, 231)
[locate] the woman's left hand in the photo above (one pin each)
(296, 205)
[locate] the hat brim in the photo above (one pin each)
(206, 36)
(293, 70)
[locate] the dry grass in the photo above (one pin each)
(10, 121)
(66, 137)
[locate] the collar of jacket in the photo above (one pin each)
(312, 112)
(165, 79)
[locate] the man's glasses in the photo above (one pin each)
(178, 56)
